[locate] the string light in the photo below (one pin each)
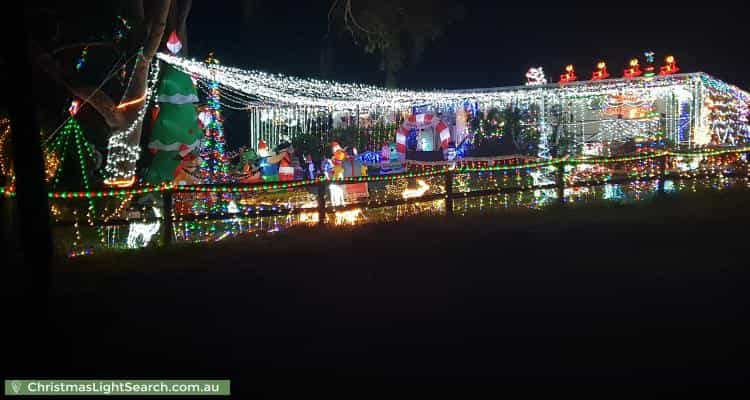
(131, 102)
(273, 98)
(269, 89)
(82, 59)
(121, 155)
(215, 163)
(6, 168)
(418, 192)
(527, 179)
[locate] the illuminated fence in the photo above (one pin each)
(212, 212)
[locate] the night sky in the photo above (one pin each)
(494, 45)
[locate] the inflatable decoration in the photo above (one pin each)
(175, 133)
(418, 122)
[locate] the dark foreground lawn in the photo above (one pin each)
(647, 293)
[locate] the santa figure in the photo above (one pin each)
(286, 170)
(263, 150)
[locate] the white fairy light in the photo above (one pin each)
(274, 97)
(258, 89)
(421, 189)
(535, 76)
(122, 156)
(337, 195)
(140, 234)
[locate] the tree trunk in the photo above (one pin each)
(121, 160)
(137, 89)
(28, 275)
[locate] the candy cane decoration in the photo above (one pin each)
(445, 134)
(403, 131)
(419, 121)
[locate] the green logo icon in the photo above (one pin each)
(16, 385)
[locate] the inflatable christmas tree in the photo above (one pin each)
(175, 132)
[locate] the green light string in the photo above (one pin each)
(378, 178)
(82, 143)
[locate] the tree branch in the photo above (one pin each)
(98, 100)
(158, 23)
(137, 89)
(79, 45)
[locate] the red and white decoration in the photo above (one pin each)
(173, 43)
(420, 121)
(75, 105)
(286, 171)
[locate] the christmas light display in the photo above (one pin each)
(75, 105)
(173, 43)
(122, 27)
(337, 195)
(633, 70)
(140, 234)
(215, 165)
(643, 111)
(569, 75)
(670, 66)
(6, 169)
(601, 72)
(535, 76)
(525, 177)
(650, 69)
(70, 142)
(82, 58)
(122, 155)
(275, 98)
(421, 189)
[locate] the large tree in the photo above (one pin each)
(150, 21)
(397, 30)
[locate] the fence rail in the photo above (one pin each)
(320, 187)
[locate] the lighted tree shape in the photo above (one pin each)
(215, 165)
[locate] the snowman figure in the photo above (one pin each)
(310, 166)
(326, 166)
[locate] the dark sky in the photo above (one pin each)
(494, 45)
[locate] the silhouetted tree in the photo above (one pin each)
(397, 30)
